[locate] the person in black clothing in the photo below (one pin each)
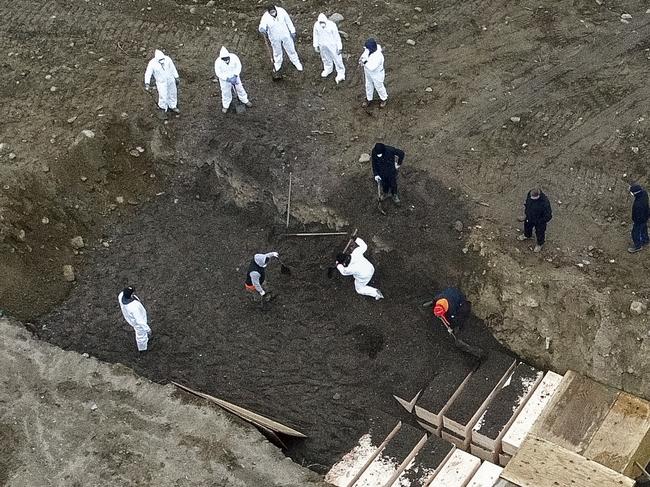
(538, 214)
(452, 307)
(640, 213)
(386, 161)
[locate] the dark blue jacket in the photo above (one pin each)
(640, 207)
(384, 166)
(539, 210)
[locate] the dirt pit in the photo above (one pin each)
(322, 358)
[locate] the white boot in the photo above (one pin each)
(326, 72)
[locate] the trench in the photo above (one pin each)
(323, 359)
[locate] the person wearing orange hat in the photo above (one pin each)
(451, 306)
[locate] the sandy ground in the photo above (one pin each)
(76, 421)
(491, 100)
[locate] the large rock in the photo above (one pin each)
(637, 307)
(68, 273)
(336, 17)
(365, 157)
(77, 242)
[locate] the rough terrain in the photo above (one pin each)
(492, 99)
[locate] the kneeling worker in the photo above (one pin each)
(355, 264)
(257, 272)
(451, 306)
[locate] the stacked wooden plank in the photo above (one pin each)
(424, 467)
(486, 476)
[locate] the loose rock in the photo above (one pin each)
(410, 42)
(626, 16)
(210, 3)
(68, 273)
(458, 226)
(119, 199)
(12, 155)
(77, 242)
(88, 133)
(365, 157)
(515, 119)
(637, 307)
(336, 396)
(337, 17)
(428, 89)
(418, 9)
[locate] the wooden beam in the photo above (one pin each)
(457, 470)
(486, 476)
(540, 463)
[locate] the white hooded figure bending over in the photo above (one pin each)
(360, 268)
(162, 68)
(136, 316)
(327, 42)
(227, 67)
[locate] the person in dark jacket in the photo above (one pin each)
(386, 161)
(256, 273)
(640, 213)
(450, 305)
(538, 214)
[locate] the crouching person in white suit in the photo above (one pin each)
(356, 265)
(136, 316)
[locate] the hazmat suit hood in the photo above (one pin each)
(223, 53)
(371, 45)
(322, 18)
(158, 55)
(261, 260)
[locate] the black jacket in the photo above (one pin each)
(454, 297)
(384, 166)
(539, 210)
(640, 207)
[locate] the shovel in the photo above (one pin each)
(276, 74)
(381, 210)
(330, 270)
(460, 344)
(239, 106)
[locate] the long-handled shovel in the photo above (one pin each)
(460, 344)
(276, 74)
(330, 270)
(239, 106)
(381, 210)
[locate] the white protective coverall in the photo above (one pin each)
(327, 41)
(361, 269)
(136, 316)
(228, 74)
(162, 68)
(279, 30)
(374, 72)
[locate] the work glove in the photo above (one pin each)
(377, 178)
(147, 87)
(294, 36)
(316, 48)
(232, 80)
(397, 166)
(275, 254)
(262, 292)
(177, 81)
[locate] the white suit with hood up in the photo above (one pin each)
(327, 41)
(136, 316)
(373, 68)
(162, 68)
(228, 74)
(361, 269)
(279, 30)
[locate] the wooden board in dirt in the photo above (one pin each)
(429, 406)
(479, 387)
(505, 404)
(425, 463)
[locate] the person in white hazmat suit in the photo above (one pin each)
(162, 68)
(327, 42)
(136, 316)
(355, 264)
(278, 27)
(227, 67)
(372, 61)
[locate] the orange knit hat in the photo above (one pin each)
(441, 307)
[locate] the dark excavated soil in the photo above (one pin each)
(428, 458)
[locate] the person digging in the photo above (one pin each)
(256, 275)
(386, 162)
(355, 264)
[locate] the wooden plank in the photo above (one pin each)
(454, 440)
(540, 463)
(407, 462)
(408, 404)
(472, 401)
(624, 436)
(483, 454)
(348, 470)
(246, 414)
(486, 476)
(504, 458)
(428, 460)
(533, 408)
(504, 407)
(457, 470)
(575, 413)
(439, 395)
(505, 483)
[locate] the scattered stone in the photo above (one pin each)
(193, 10)
(119, 199)
(515, 119)
(45, 168)
(590, 248)
(88, 133)
(85, 355)
(210, 3)
(77, 242)
(344, 34)
(637, 307)
(530, 302)
(337, 17)
(140, 149)
(418, 9)
(134, 153)
(83, 179)
(428, 89)
(458, 226)
(53, 89)
(68, 273)
(106, 244)
(365, 157)
(72, 119)
(45, 220)
(12, 155)
(21, 235)
(48, 76)
(635, 150)
(336, 396)
(626, 16)
(93, 406)
(410, 42)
